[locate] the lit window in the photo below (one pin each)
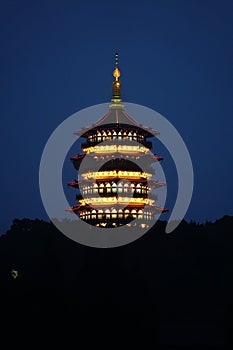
(126, 213)
(109, 190)
(140, 214)
(132, 188)
(138, 188)
(99, 136)
(107, 214)
(95, 188)
(101, 188)
(134, 213)
(93, 214)
(114, 214)
(120, 214)
(100, 214)
(126, 187)
(114, 187)
(119, 187)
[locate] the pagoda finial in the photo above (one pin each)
(116, 91)
(116, 72)
(116, 57)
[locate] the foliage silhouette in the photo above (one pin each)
(178, 285)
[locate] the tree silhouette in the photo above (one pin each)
(178, 285)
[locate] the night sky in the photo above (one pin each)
(175, 57)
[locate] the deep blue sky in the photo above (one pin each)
(57, 58)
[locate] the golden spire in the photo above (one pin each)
(116, 89)
(116, 72)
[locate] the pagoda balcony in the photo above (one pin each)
(117, 200)
(126, 141)
(116, 174)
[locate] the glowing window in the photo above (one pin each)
(99, 136)
(93, 214)
(100, 214)
(126, 213)
(138, 188)
(126, 187)
(107, 214)
(134, 213)
(108, 186)
(119, 187)
(95, 188)
(140, 214)
(114, 187)
(132, 187)
(114, 214)
(120, 214)
(101, 188)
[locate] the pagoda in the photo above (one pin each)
(122, 188)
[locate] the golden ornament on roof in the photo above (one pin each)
(116, 73)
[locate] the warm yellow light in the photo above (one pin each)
(116, 148)
(114, 200)
(116, 73)
(116, 174)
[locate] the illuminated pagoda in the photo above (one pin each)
(117, 192)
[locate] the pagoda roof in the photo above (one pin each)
(79, 196)
(153, 183)
(81, 156)
(116, 116)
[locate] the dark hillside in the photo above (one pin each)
(179, 286)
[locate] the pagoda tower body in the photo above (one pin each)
(117, 192)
